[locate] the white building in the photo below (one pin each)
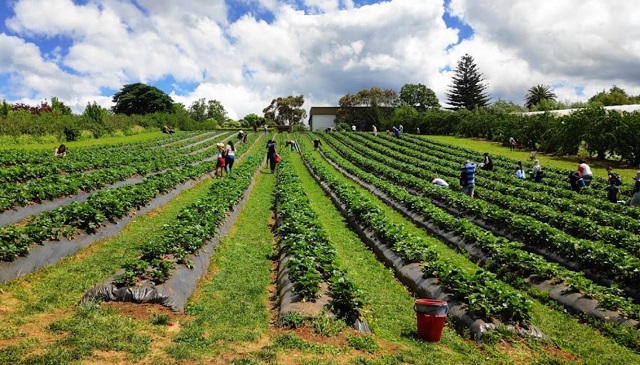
(322, 117)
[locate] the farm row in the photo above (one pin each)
(519, 247)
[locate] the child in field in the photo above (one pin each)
(221, 160)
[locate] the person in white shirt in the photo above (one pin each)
(586, 173)
(439, 182)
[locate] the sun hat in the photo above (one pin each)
(220, 144)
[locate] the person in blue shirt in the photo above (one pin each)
(467, 177)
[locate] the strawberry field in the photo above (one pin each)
(134, 253)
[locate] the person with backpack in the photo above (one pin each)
(536, 172)
(613, 178)
(613, 192)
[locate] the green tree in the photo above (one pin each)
(59, 107)
(141, 99)
(253, 119)
(367, 107)
(5, 108)
(95, 112)
(286, 111)
(505, 107)
(615, 96)
(467, 90)
(198, 110)
(418, 96)
(536, 94)
(216, 111)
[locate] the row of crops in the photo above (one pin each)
(164, 165)
(519, 240)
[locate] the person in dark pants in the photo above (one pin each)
(229, 157)
(271, 155)
(316, 144)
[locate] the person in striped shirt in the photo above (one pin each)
(467, 177)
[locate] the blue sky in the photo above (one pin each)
(246, 52)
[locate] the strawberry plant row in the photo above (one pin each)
(105, 205)
(484, 294)
(192, 228)
(497, 193)
(555, 178)
(17, 156)
(599, 210)
(310, 256)
(506, 258)
(603, 261)
(168, 268)
(57, 186)
(84, 161)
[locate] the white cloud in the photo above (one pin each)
(322, 49)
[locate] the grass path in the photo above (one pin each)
(231, 308)
(389, 310)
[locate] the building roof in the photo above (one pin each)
(323, 110)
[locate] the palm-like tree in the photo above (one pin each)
(538, 93)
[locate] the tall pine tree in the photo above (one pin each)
(467, 90)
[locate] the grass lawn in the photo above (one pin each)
(567, 162)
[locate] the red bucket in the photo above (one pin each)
(431, 316)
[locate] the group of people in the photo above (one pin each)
(226, 157)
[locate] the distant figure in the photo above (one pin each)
(61, 151)
(613, 193)
(294, 146)
(536, 172)
(229, 157)
(467, 177)
(244, 138)
(271, 155)
(439, 182)
(221, 161)
(266, 129)
(418, 130)
(635, 200)
(576, 181)
(396, 132)
(255, 127)
(487, 162)
(401, 128)
(353, 128)
(585, 172)
(375, 130)
(613, 178)
(316, 144)
(512, 144)
(519, 172)
(240, 136)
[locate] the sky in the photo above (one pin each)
(245, 53)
